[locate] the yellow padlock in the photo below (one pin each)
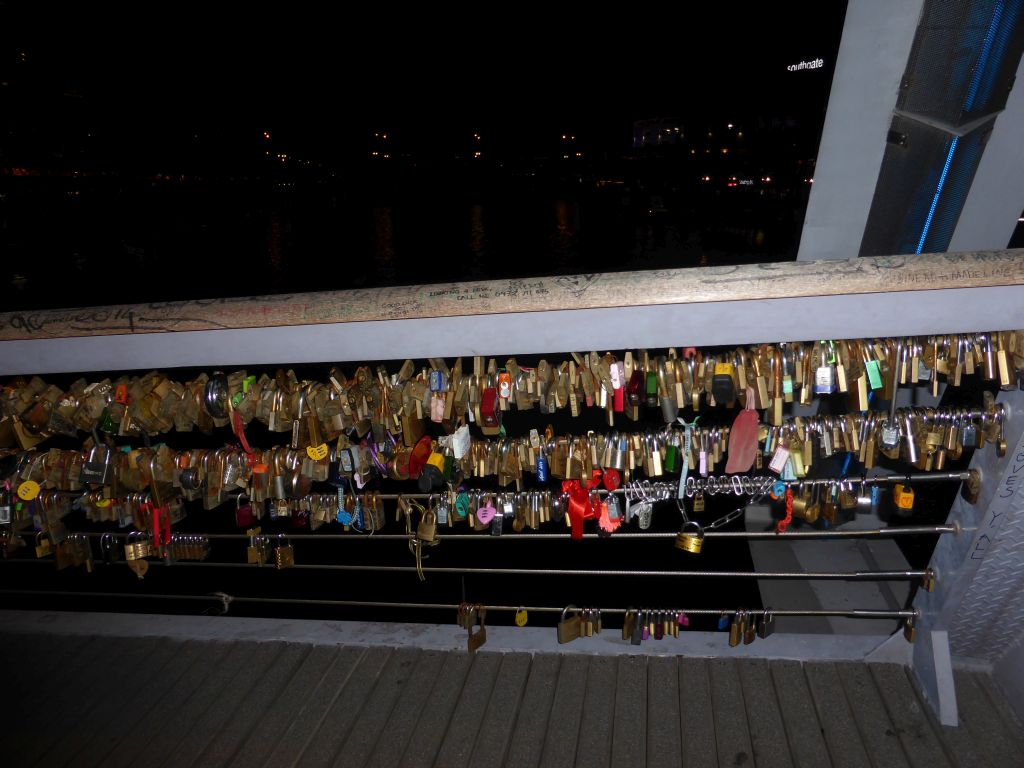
(903, 495)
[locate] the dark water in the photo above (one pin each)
(73, 243)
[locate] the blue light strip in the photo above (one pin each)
(986, 50)
(972, 92)
(935, 198)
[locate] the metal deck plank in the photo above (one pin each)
(320, 664)
(698, 720)
(398, 729)
(500, 716)
(108, 734)
(138, 739)
(920, 742)
(1007, 716)
(114, 694)
(534, 711)
(664, 740)
(460, 738)
(730, 713)
(979, 717)
(806, 744)
(374, 714)
(74, 696)
(876, 729)
(595, 748)
(324, 721)
(177, 724)
(563, 731)
(629, 731)
(259, 662)
(233, 733)
(838, 725)
(428, 731)
(764, 718)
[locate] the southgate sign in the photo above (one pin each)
(812, 64)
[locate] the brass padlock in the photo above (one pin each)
(426, 531)
(479, 637)
(256, 552)
(42, 544)
(284, 553)
(569, 626)
(909, 630)
(690, 538)
(750, 631)
(736, 629)
(971, 488)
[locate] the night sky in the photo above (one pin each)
(322, 83)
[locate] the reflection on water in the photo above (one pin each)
(311, 240)
(477, 238)
(275, 242)
(563, 240)
(384, 244)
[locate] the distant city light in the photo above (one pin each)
(266, 135)
(766, 179)
(579, 154)
(729, 126)
(725, 150)
(476, 154)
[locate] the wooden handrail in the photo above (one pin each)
(587, 291)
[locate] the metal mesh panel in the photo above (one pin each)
(958, 68)
(919, 162)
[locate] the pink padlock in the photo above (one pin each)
(486, 513)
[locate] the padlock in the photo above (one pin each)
(651, 401)
(750, 630)
(909, 630)
(432, 476)
(426, 531)
(42, 544)
(903, 495)
(825, 380)
(284, 553)
(569, 626)
(490, 408)
(438, 383)
(766, 626)
(479, 637)
(504, 385)
(723, 387)
(244, 516)
(690, 538)
(890, 437)
(736, 628)
(98, 467)
(256, 552)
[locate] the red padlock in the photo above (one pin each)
(490, 410)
